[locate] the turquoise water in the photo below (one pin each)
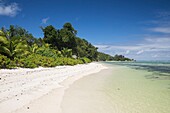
(160, 70)
(125, 87)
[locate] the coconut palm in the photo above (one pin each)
(4, 43)
(66, 52)
(34, 48)
(12, 48)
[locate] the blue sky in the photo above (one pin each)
(138, 29)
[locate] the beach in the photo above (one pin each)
(20, 88)
(118, 89)
(89, 88)
(85, 56)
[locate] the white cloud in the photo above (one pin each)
(9, 10)
(158, 40)
(149, 47)
(44, 20)
(155, 46)
(149, 44)
(140, 52)
(160, 29)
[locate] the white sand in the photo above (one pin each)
(39, 90)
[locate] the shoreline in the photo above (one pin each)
(23, 88)
(119, 89)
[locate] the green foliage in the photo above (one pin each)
(68, 61)
(4, 61)
(85, 60)
(39, 60)
(33, 48)
(70, 28)
(51, 35)
(121, 58)
(12, 47)
(86, 49)
(18, 48)
(66, 38)
(16, 32)
(35, 60)
(45, 50)
(66, 52)
(104, 57)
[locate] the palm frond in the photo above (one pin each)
(4, 50)
(3, 40)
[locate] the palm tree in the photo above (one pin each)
(66, 52)
(4, 43)
(34, 48)
(12, 48)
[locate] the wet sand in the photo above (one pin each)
(115, 89)
(118, 89)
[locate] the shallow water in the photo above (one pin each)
(159, 68)
(119, 89)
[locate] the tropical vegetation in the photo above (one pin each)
(19, 48)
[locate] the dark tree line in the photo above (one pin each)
(66, 38)
(107, 57)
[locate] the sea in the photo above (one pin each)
(159, 69)
(125, 87)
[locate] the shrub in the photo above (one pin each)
(4, 61)
(85, 60)
(36, 60)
